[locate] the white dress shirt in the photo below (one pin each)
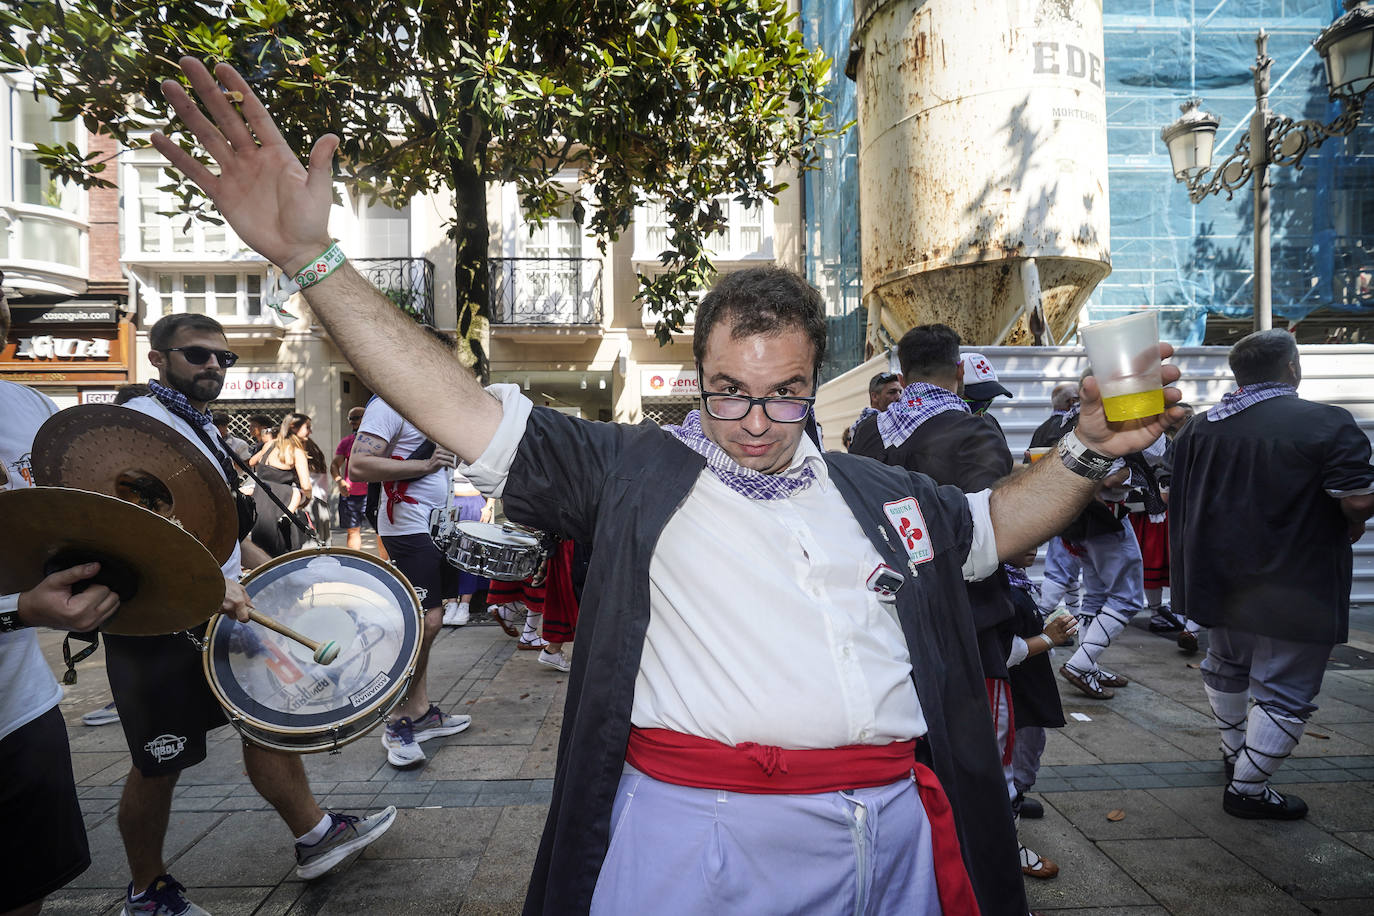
(761, 626)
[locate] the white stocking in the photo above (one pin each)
(1230, 710)
(1270, 736)
(1105, 627)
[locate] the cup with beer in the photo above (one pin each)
(1124, 353)
(1036, 454)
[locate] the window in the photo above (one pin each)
(34, 124)
(229, 297)
(747, 233)
(159, 234)
(384, 231)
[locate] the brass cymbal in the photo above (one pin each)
(129, 455)
(175, 582)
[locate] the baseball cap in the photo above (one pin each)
(980, 379)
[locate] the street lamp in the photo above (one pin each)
(1347, 49)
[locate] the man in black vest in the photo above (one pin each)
(863, 702)
(1268, 493)
(931, 429)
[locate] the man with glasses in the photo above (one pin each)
(165, 704)
(776, 653)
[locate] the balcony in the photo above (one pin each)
(545, 291)
(408, 282)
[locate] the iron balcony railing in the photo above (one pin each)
(408, 282)
(559, 291)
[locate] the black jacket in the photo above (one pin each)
(617, 486)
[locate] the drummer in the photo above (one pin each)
(37, 788)
(165, 704)
(416, 478)
(730, 643)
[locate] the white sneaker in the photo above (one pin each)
(105, 715)
(462, 615)
(402, 750)
(555, 660)
(455, 615)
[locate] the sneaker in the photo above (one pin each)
(402, 750)
(436, 724)
(164, 897)
(105, 715)
(1268, 805)
(455, 614)
(347, 834)
(555, 660)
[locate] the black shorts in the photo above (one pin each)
(351, 510)
(433, 577)
(43, 845)
(165, 704)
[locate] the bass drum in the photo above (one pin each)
(274, 692)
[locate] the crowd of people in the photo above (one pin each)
(805, 681)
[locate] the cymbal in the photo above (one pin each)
(139, 459)
(172, 581)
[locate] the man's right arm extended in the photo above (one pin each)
(281, 210)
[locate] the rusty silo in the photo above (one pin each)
(982, 165)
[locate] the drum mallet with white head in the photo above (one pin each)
(325, 652)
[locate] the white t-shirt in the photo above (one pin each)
(429, 492)
(154, 408)
(27, 686)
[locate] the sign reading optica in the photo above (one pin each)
(668, 383)
(258, 386)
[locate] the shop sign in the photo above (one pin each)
(86, 313)
(46, 346)
(258, 386)
(97, 395)
(668, 383)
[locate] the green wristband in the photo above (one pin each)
(319, 268)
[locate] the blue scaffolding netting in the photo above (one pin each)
(1188, 261)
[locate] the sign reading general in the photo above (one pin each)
(668, 383)
(258, 386)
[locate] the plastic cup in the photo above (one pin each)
(1037, 453)
(1124, 354)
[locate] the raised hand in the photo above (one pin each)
(275, 205)
(1118, 439)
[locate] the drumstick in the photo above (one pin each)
(324, 652)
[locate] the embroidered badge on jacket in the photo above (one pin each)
(905, 516)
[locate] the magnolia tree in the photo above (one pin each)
(683, 101)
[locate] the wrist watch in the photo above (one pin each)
(9, 614)
(1082, 460)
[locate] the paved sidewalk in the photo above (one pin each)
(470, 818)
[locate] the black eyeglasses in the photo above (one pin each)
(199, 356)
(724, 406)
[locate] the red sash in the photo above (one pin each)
(762, 769)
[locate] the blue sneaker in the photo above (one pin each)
(164, 897)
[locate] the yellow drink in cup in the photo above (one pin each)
(1124, 354)
(1037, 453)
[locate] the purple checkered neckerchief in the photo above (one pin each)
(919, 402)
(1233, 403)
(863, 415)
(176, 402)
(745, 481)
(1017, 578)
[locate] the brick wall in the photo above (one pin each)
(106, 278)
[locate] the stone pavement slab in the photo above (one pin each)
(470, 816)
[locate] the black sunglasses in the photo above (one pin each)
(199, 356)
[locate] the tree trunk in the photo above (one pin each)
(470, 280)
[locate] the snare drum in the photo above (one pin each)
(271, 688)
(443, 523)
(501, 552)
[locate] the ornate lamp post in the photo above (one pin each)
(1347, 49)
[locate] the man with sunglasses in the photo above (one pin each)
(37, 787)
(165, 705)
(776, 653)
